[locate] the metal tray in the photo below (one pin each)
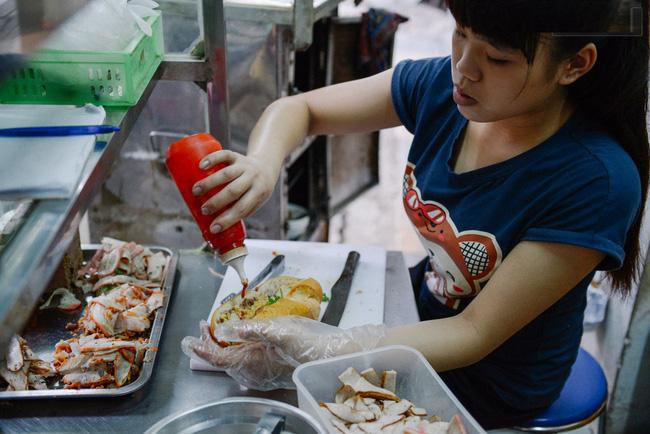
(45, 329)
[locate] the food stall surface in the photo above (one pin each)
(174, 387)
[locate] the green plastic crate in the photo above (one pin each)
(108, 78)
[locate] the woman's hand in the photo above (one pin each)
(267, 351)
(250, 183)
(253, 364)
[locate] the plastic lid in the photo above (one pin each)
(232, 254)
(237, 262)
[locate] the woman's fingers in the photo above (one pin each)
(247, 183)
(246, 205)
(220, 360)
(230, 193)
(271, 331)
(223, 176)
(208, 351)
(218, 157)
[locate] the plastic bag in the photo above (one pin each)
(266, 352)
(104, 25)
(597, 300)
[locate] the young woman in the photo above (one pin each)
(528, 171)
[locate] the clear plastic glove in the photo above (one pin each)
(267, 351)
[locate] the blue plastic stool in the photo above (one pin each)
(583, 399)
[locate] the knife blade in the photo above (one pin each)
(272, 269)
(341, 291)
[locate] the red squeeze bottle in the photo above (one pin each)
(183, 158)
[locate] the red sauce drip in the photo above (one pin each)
(244, 287)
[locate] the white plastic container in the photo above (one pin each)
(318, 381)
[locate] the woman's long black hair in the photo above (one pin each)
(614, 92)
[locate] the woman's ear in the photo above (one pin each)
(580, 64)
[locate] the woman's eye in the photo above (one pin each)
(459, 33)
(497, 61)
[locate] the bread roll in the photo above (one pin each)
(279, 296)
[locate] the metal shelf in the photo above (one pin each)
(276, 11)
(30, 259)
(299, 14)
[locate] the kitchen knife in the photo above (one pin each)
(340, 291)
(272, 269)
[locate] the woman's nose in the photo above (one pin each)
(467, 67)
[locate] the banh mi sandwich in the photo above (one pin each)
(278, 296)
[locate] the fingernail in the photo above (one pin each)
(206, 210)
(204, 164)
(215, 229)
(196, 190)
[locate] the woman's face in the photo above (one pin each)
(495, 83)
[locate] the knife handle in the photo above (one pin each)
(341, 291)
(350, 265)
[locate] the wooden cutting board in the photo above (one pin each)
(324, 262)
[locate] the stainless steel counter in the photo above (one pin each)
(173, 386)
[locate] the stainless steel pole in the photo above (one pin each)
(214, 35)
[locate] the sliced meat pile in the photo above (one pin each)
(126, 278)
(119, 262)
(124, 310)
(63, 300)
(91, 361)
(22, 369)
(125, 281)
(366, 403)
(114, 264)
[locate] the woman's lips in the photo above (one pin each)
(462, 99)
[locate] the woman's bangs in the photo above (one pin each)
(518, 24)
(502, 23)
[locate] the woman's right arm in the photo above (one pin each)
(353, 107)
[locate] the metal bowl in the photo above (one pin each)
(237, 416)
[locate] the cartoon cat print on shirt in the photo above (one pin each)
(460, 261)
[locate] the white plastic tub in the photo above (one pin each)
(318, 381)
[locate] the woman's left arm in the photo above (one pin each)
(531, 278)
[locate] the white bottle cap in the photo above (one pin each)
(232, 254)
(238, 264)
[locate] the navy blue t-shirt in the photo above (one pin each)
(578, 187)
